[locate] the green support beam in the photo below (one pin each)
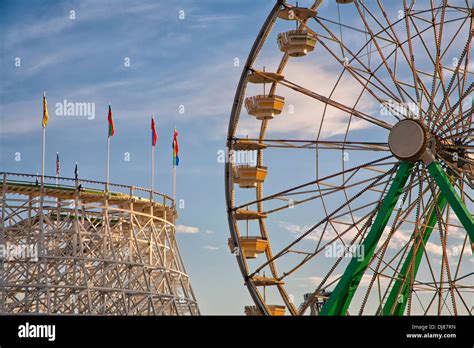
(340, 298)
(398, 297)
(447, 189)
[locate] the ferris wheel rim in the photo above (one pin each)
(228, 168)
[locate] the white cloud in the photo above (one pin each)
(187, 229)
(308, 112)
(210, 247)
(87, 11)
(341, 226)
(218, 18)
(38, 29)
(315, 281)
(294, 228)
(399, 239)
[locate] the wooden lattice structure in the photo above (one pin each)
(85, 247)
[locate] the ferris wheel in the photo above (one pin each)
(359, 197)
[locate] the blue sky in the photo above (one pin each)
(181, 56)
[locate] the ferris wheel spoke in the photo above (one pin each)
(419, 34)
(426, 310)
(359, 30)
(444, 261)
(417, 81)
(360, 76)
(451, 277)
(466, 71)
(399, 45)
(351, 70)
(461, 297)
(464, 176)
(335, 104)
(434, 60)
(437, 73)
(450, 89)
(320, 144)
(461, 159)
(401, 288)
(442, 122)
(367, 221)
(344, 292)
(462, 134)
(320, 248)
(461, 255)
(460, 123)
(399, 219)
(357, 73)
(327, 218)
(326, 192)
(313, 182)
(401, 91)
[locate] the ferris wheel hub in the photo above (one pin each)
(408, 140)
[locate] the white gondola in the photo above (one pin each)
(249, 176)
(297, 43)
(264, 107)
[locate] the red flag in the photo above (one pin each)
(111, 123)
(154, 136)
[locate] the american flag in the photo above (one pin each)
(58, 165)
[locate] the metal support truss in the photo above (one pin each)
(341, 297)
(447, 189)
(398, 297)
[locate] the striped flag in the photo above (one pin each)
(175, 149)
(154, 136)
(76, 172)
(58, 165)
(111, 123)
(45, 112)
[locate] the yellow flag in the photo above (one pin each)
(45, 112)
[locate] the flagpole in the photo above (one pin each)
(174, 171)
(174, 184)
(108, 155)
(108, 164)
(57, 173)
(152, 168)
(76, 175)
(43, 149)
(43, 154)
(152, 161)
(57, 176)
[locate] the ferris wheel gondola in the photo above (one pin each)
(381, 208)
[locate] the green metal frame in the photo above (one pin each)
(341, 297)
(437, 172)
(398, 297)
